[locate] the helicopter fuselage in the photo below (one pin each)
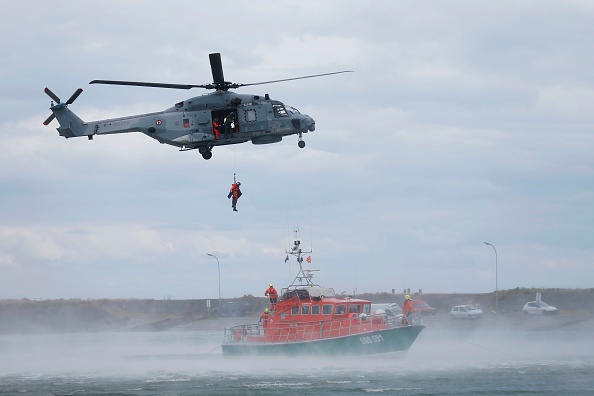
(189, 124)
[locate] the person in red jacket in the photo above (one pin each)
(264, 319)
(272, 295)
(407, 310)
(235, 192)
(216, 127)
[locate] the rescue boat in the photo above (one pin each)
(309, 319)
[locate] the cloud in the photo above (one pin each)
(461, 123)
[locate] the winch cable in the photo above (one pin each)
(213, 349)
(288, 240)
(234, 181)
(310, 236)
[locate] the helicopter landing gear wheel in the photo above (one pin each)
(207, 155)
(301, 143)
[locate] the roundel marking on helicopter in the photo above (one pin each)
(158, 122)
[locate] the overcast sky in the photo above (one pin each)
(464, 122)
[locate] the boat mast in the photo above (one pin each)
(304, 276)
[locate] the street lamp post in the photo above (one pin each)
(496, 287)
(219, 267)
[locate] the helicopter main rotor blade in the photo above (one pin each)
(289, 79)
(151, 84)
(217, 69)
(52, 95)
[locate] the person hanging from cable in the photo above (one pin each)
(235, 192)
(407, 310)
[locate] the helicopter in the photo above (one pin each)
(189, 124)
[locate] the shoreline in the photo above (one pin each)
(576, 311)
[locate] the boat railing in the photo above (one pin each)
(414, 318)
(242, 332)
(311, 331)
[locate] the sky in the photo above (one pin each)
(463, 122)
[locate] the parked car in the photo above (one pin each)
(466, 312)
(538, 308)
(423, 308)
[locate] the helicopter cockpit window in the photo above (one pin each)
(279, 109)
(292, 110)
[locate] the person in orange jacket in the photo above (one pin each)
(407, 309)
(264, 318)
(235, 192)
(272, 295)
(216, 127)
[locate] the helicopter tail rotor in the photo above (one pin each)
(59, 104)
(52, 95)
(74, 96)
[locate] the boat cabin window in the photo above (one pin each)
(327, 309)
(367, 308)
(341, 309)
(305, 310)
(315, 309)
(295, 310)
(354, 308)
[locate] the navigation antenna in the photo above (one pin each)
(304, 276)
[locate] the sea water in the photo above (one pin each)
(191, 363)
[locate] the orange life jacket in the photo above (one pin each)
(408, 307)
(271, 292)
(235, 190)
(216, 127)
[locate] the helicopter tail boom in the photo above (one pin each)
(70, 124)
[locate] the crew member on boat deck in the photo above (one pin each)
(264, 318)
(272, 295)
(407, 310)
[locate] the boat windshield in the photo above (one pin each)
(354, 308)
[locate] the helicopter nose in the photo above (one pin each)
(309, 123)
